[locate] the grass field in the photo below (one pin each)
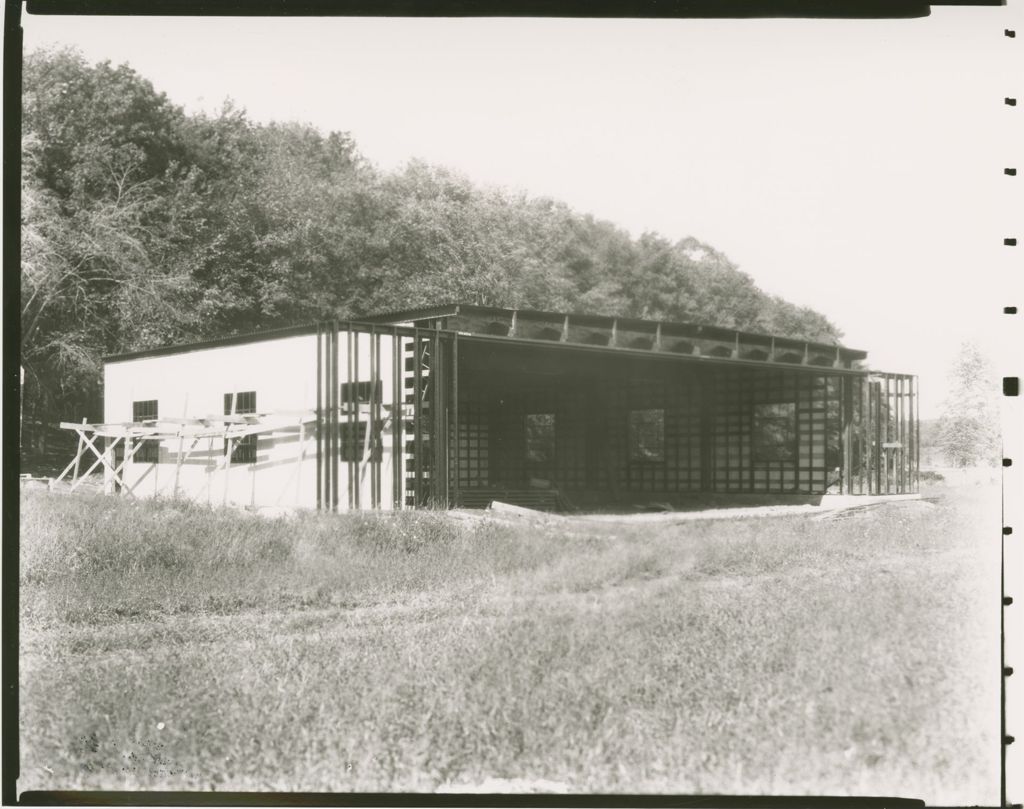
(167, 646)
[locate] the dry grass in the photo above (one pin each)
(168, 646)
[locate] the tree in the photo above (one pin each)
(144, 225)
(99, 152)
(968, 431)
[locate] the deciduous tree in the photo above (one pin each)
(968, 431)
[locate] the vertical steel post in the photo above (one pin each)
(706, 385)
(417, 422)
(328, 422)
(917, 434)
(354, 465)
(455, 414)
(375, 421)
(335, 433)
(319, 416)
(397, 449)
(867, 434)
(846, 422)
(903, 437)
(876, 429)
(439, 441)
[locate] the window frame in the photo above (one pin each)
(634, 445)
(366, 391)
(758, 436)
(149, 448)
(244, 449)
(352, 452)
(547, 463)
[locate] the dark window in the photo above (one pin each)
(149, 452)
(647, 435)
(361, 391)
(244, 402)
(775, 432)
(353, 442)
(540, 438)
(244, 450)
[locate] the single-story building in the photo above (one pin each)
(458, 405)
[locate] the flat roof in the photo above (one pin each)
(455, 309)
(606, 321)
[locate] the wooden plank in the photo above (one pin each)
(78, 453)
(100, 458)
(228, 452)
(301, 458)
(74, 461)
(181, 449)
(181, 459)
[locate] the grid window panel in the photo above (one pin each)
(647, 435)
(240, 403)
(738, 458)
(360, 392)
(149, 451)
(473, 440)
(354, 442)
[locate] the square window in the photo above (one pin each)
(353, 442)
(774, 436)
(647, 435)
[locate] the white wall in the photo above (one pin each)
(192, 384)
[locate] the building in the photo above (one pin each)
(461, 405)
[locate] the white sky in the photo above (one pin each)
(854, 166)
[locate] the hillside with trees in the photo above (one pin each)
(144, 225)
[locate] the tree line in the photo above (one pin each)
(144, 225)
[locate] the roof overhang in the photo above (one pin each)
(660, 356)
(782, 353)
(612, 323)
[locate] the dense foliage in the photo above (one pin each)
(144, 225)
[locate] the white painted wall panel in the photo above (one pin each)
(283, 373)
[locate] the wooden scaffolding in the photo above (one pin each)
(131, 437)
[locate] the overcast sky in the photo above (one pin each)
(854, 166)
